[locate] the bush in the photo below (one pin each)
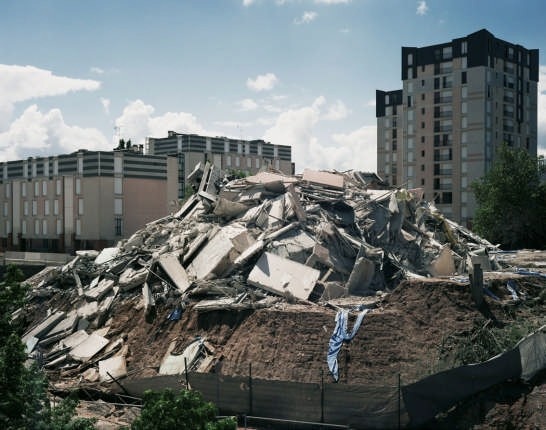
(185, 410)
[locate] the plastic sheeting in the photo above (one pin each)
(339, 336)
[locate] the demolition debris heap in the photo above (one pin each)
(244, 244)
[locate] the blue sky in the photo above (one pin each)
(297, 72)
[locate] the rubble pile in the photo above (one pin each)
(244, 244)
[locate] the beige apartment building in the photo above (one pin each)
(460, 100)
(248, 156)
(83, 200)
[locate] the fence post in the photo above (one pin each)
(321, 395)
(250, 388)
(399, 398)
(217, 369)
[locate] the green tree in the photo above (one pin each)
(23, 402)
(512, 201)
(185, 410)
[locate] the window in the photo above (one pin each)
(423, 96)
(118, 226)
(447, 53)
(59, 226)
(46, 207)
(422, 167)
(422, 111)
(464, 92)
(24, 226)
(464, 47)
(55, 167)
(80, 206)
(58, 187)
(422, 125)
(78, 186)
(78, 227)
(463, 78)
(237, 162)
(208, 144)
(36, 226)
(36, 189)
(25, 208)
(34, 208)
(80, 165)
(44, 188)
(44, 227)
(24, 189)
(5, 208)
(46, 167)
(249, 163)
(257, 163)
(55, 207)
(239, 148)
(422, 82)
(226, 145)
(228, 160)
(464, 107)
(410, 59)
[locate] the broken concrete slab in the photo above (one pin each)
(106, 255)
(74, 339)
(443, 264)
(282, 276)
(113, 367)
(214, 259)
(88, 348)
(41, 330)
(176, 364)
(325, 179)
(132, 278)
(228, 209)
(88, 310)
(174, 270)
(98, 292)
(361, 277)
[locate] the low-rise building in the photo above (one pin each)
(247, 156)
(83, 200)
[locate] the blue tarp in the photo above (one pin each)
(339, 336)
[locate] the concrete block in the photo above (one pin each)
(174, 270)
(87, 349)
(214, 258)
(115, 366)
(280, 276)
(324, 179)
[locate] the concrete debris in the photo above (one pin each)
(244, 244)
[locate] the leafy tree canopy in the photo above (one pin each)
(512, 201)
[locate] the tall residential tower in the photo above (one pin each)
(460, 101)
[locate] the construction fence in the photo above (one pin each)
(354, 406)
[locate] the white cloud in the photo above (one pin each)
(233, 124)
(337, 111)
(362, 147)
(137, 122)
(105, 105)
(247, 3)
(541, 110)
(97, 70)
(332, 1)
(345, 30)
(21, 83)
(371, 103)
(306, 18)
(247, 105)
(41, 134)
(262, 82)
(422, 8)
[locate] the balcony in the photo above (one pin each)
(440, 100)
(443, 158)
(508, 99)
(508, 114)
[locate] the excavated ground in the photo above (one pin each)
(410, 332)
(406, 333)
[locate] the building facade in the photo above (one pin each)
(83, 200)
(248, 156)
(460, 101)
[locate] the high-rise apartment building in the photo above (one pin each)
(248, 156)
(460, 100)
(83, 200)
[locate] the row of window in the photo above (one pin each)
(41, 187)
(236, 162)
